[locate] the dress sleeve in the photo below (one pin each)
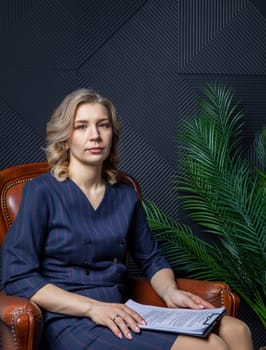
(22, 249)
(143, 246)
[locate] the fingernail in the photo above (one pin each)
(120, 336)
(137, 329)
(129, 336)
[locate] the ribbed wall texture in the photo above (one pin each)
(151, 57)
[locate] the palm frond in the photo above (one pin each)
(222, 194)
(260, 144)
(182, 248)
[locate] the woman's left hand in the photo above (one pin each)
(180, 298)
(164, 283)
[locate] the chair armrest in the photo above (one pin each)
(21, 323)
(217, 293)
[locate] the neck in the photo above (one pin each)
(89, 179)
(86, 177)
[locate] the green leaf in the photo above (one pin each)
(222, 193)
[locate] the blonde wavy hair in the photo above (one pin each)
(60, 126)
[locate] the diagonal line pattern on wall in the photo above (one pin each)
(16, 137)
(200, 22)
(100, 22)
(227, 52)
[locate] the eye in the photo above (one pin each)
(105, 125)
(80, 127)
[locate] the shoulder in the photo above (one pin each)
(124, 193)
(123, 188)
(40, 180)
(43, 183)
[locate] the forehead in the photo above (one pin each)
(91, 111)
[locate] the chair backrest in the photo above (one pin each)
(14, 178)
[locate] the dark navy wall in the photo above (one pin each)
(151, 57)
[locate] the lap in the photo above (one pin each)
(81, 334)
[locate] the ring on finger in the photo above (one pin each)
(115, 317)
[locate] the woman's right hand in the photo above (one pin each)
(119, 318)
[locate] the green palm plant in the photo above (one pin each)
(223, 194)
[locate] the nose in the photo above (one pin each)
(94, 132)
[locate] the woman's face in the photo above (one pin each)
(91, 137)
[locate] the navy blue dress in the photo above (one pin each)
(59, 238)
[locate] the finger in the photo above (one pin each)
(114, 328)
(204, 303)
(193, 305)
(120, 323)
(196, 302)
(132, 321)
(133, 314)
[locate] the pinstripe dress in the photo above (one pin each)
(59, 238)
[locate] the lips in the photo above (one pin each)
(95, 150)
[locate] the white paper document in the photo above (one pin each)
(186, 321)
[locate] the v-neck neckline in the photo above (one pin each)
(94, 209)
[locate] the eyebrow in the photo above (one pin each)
(80, 121)
(86, 121)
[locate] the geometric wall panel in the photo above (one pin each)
(158, 182)
(134, 69)
(202, 22)
(43, 37)
(151, 57)
(249, 91)
(99, 21)
(260, 5)
(239, 48)
(16, 137)
(12, 11)
(56, 33)
(34, 93)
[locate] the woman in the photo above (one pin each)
(66, 249)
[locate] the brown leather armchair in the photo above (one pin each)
(21, 320)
